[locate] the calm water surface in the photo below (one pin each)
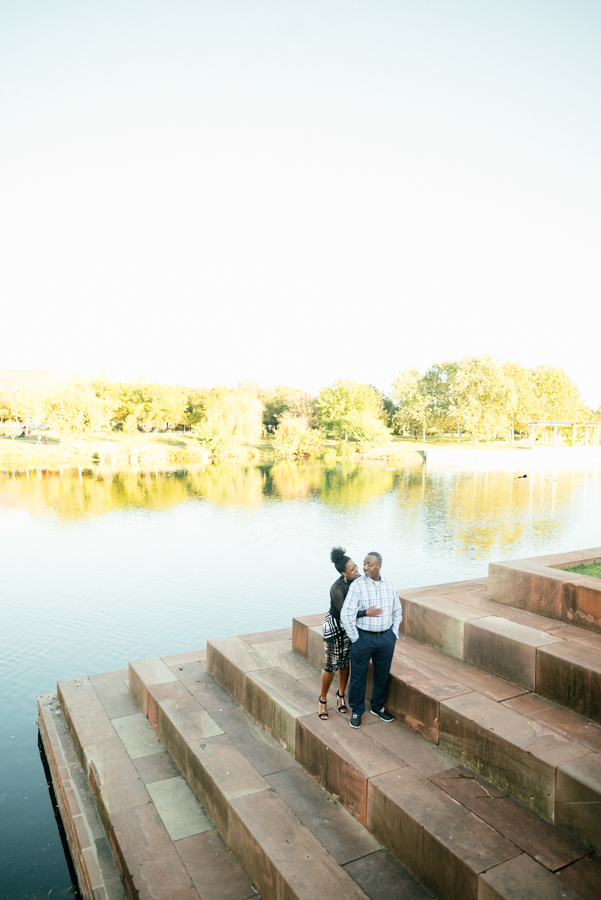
(100, 567)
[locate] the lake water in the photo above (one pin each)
(100, 567)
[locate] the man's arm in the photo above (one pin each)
(348, 616)
(397, 614)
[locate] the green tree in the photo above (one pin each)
(282, 400)
(75, 409)
(409, 391)
(481, 397)
(294, 439)
(351, 411)
(235, 411)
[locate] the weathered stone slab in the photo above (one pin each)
(159, 692)
(263, 637)
(196, 679)
(215, 872)
(182, 719)
(382, 877)
(180, 659)
(571, 725)
(505, 648)
(180, 811)
(286, 862)
(142, 674)
(529, 705)
(455, 670)
(259, 747)
(582, 602)
(280, 654)
(116, 699)
(584, 876)
(414, 694)
(155, 767)
(276, 700)
(528, 585)
(315, 647)
(412, 748)
(570, 674)
(578, 801)
(93, 861)
(342, 759)
(339, 832)
(76, 690)
(228, 662)
(438, 622)
(550, 846)
(149, 862)
(438, 840)
(300, 627)
(137, 736)
(218, 772)
(517, 754)
(522, 878)
(114, 781)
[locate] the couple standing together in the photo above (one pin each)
(362, 625)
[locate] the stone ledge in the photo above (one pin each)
(541, 585)
(96, 870)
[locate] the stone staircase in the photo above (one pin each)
(215, 778)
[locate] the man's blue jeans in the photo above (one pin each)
(380, 649)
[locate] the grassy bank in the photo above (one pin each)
(170, 449)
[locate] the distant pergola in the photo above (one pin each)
(574, 423)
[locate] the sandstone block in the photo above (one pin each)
(438, 622)
(515, 753)
(578, 800)
(276, 700)
(286, 862)
(228, 661)
(550, 846)
(522, 878)
(342, 759)
(570, 674)
(505, 648)
(143, 673)
(438, 840)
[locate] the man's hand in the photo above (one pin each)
(373, 611)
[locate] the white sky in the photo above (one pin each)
(294, 192)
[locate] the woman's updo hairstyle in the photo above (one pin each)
(339, 559)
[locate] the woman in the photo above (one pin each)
(336, 642)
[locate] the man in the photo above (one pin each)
(373, 637)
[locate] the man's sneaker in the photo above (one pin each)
(355, 720)
(382, 714)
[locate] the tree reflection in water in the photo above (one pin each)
(474, 511)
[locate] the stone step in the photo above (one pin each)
(538, 653)
(485, 722)
(386, 775)
(163, 841)
(292, 838)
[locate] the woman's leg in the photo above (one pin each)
(326, 683)
(342, 680)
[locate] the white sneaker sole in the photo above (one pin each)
(387, 721)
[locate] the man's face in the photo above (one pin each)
(371, 567)
(351, 572)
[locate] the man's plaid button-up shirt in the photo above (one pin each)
(365, 592)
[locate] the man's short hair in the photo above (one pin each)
(377, 555)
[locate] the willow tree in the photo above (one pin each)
(235, 411)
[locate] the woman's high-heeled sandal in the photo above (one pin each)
(342, 707)
(323, 708)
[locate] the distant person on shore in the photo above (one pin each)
(374, 639)
(337, 644)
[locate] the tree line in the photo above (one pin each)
(476, 397)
